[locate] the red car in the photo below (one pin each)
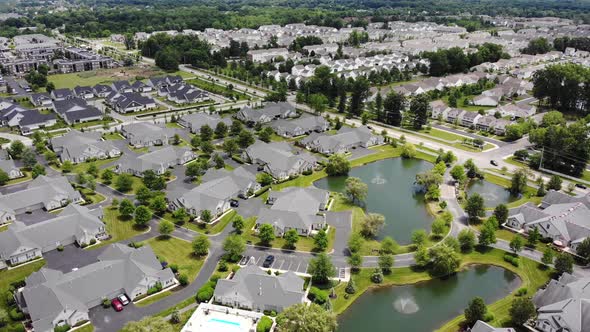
(117, 305)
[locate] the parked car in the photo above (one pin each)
(493, 162)
(117, 305)
(268, 261)
(581, 186)
(123, 299)
(234, 203)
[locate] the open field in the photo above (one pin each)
(107, 76)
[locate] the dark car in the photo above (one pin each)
(493, 162)
(117, 305)
(268, 261)
(234, 203)
(581, 186)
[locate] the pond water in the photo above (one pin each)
(426, 306)
(492, 194)
(391, 193)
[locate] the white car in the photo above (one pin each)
(124, 299)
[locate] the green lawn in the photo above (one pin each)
(470, 108)
(208, 229)
(136, 183)
(27, 176)
(107, 76)
(83, 167)
(532, 276)
(118, 228)
(113, 136)
(9, 276)
(91, 197)
(179, 252)
(93, 123)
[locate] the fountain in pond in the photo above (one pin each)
(378, 180)
(406, 305)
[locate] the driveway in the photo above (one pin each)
(342, 224)
(360, 152)
(249, 207)
(35, 216)
(71, 257)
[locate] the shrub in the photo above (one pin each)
(317, 296)
(15, 328)
(175, 317)
(16, 315)
(105, 303)
(9, 299)
(235, 268)
(3, 317)
(377, 276)
(92, 241)
(511, 259)
(174, 268)
(183, 279)
(350, 287)
(522, 291)
(62, 328)
(205, 293)
(214, 279)
(60, 248)
(222, 266)
(307, 172)
(264, 324)
(488, 317)
(154, 289)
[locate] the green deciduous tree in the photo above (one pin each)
(234, 246)
(356, 190)
(337, 165)
(521, 310)
(308, 318)
(142, 216)
(200, 245)
(372, 224)
(476, 310)
(321, 269)
(266, 233)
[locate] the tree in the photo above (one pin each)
(126, 208)
(385, 262)
(234, 246)
(245, 139)
(4, 178)
(166, 228)
(308, 318)
(537, 46)
(201, 245)
(355, 242)
(337, 165)
(220, 130)
(206, 216)
(392, 108)
(238, 224)
(318, 103)
(142, 216)
(29, 158)
(320, 240)
(475, 207)
(193, 169)
(266, 233)
(501, 213)
(355, 260)
(388, 245)
(554, 183)
(206, 133)
(516, 244)
(291, 237)
(124, 182)
(476, 310)
(533, 237)
(583, 249)
(179, 215)
(564, 262)
(408, 151)
(438, 227)
(321, 269)
(218, 160)
(419, 109)
(466, 239)
(37, 170)
(419, 237)
(159, 205)
(176, 139)
(422, 257)
(487, 235)
(15, 149)
(521, 310)
(230, 146)
(445, 260)
(356, 189)
(67, 166)
(547, 258)
(518, 182)
(115, 203)
(143, 195)
(372, 224)
(458, 173)
(207, 147)
(107, 176)
(235, 128)
(265, 134)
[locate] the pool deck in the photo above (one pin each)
(211, 317)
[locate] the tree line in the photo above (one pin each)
(454, 60)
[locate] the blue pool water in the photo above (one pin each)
(223, 321)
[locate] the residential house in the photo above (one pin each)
(84, 92)
(160, 81)
(75, 224)
(499, 127)
(142, 134)
(62, 94)
(279, 159)
(140, 87)
(8, 166)
(301, 126)
(101, 91)
(183, 93)
(343, 141)
(439, 109)
(271, 111)
(454, 115)
(265, 55)
(485, 100)
(41, 193)
(516, 111)
(563, 305)
(481, 326)
(76, 110)
(14, 115)
(78, 147)
(469, 119)
(254, 289)
(566, 224)
(42, 100)
(195, 121)
(158, 161)
(53, 298)
(485, 123)
(128, 102)
(121, 87)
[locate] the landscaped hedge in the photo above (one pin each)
(264, 324)
(317, 296)
(511, 259)
(62, 328)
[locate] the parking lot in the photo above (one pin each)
(284, 261)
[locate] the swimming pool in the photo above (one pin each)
(223, 321)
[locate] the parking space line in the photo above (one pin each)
(297, 269)
(258, 260)
(282, 262)
(290, 263)
(306, 266)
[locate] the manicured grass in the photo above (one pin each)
(87, 328)
(159, 108)
(136, 183)
(530, 272)
(113, 136)
(442, 134)
(208, 229)
(118, 228)
(83, 167)
(93, 123)
(154, 298)
(27, 176)
(106, 76)
(179, 252)
(10, 276)
(91, 197)
(3, 228)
